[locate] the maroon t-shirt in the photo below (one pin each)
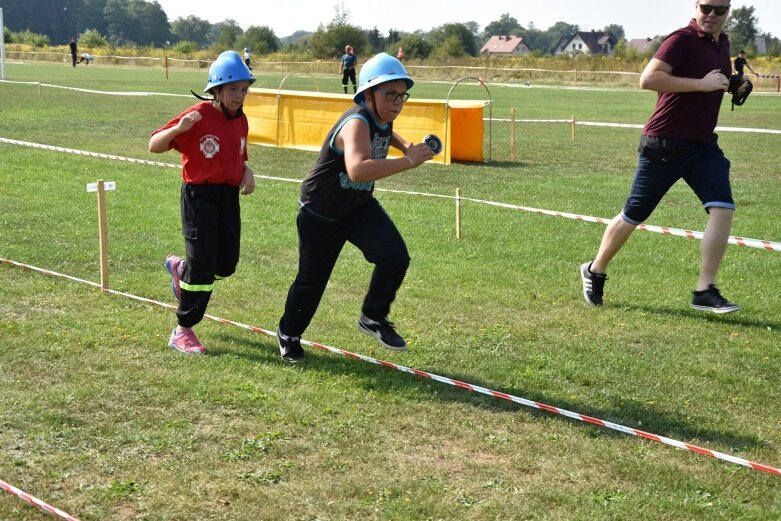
(690, 115)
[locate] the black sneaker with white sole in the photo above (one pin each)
(593, 284)
(383, 331)
(711, 300)
(290, 347)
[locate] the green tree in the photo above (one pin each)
(414, 45)
(261, 40)
(741, 27)
(617, 30)
(92, 38)
(453, 40)
(91, 16)
(505, 25)
(192, 29)
(225, 34)
(328, 42)
(375, 39)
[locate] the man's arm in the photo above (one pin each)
(657, 76)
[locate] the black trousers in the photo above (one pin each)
(320, 242)
(211, 226)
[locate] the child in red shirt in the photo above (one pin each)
(212, 138)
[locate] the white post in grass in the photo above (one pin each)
(458, 213)
(512, 134)
(100, 187)
(2, 46)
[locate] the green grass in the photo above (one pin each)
(100, 419)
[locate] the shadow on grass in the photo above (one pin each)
(733, 319)
(629, 413)
(504, 164)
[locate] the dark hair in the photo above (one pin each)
(741, 51)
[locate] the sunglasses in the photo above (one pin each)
(394, 96)
(719, 10)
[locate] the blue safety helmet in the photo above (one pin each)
(379, 69)
(227, 68)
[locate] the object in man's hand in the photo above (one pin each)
(434, 143)
(740, 87)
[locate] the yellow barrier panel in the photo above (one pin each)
(299, 119)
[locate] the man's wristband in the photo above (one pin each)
(410, 160)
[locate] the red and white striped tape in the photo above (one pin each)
(35, 501)
(666, 230)
(443, 379)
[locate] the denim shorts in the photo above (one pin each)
(661, 162)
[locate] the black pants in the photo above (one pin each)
(211, 226)
(320, 242)
(348, 74)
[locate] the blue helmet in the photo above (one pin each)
(227, 68)
(379, 69)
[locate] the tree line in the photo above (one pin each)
(139, 23)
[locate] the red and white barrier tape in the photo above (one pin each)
(737, 241)
(443, 379)
(35, 501)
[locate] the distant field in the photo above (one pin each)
(100, 419)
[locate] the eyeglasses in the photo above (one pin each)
(719, 10)
(394, 96)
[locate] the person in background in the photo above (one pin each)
(74, 50)
(247, 58)
(85, 58)
(347, 66)
(690, 71)
(212, 138)
(740, 62)
(337, 206)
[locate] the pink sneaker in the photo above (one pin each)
(186, 342)
(174, 265)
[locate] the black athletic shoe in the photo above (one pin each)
(383, 331)
(290, 348)
(593, 284)
(711, 300)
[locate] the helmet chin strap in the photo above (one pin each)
(373, 109)
(239, 112)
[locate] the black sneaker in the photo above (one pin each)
(711, 300)
(290, 348)
(383, 331)
(593, 284)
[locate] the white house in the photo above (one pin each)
(587, 42)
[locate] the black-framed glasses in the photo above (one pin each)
(719, 10)
(394, 96)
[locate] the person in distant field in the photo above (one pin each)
(86, 58)
(248, 58)
(400, 54)
(212, 138)
(740, 62)
(347, 65)
(337, 206)
(74, 50)
(690, 71)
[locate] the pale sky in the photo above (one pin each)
(640, 18)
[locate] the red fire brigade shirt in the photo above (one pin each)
(214, 149)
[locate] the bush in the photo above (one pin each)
(92, 38)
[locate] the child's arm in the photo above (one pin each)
(353, 139)
(161, 141)
(248, 184)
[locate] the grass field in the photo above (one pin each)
(100, 419)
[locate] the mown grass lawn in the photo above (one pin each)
(100, 419)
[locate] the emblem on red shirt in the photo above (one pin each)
(210, 145)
